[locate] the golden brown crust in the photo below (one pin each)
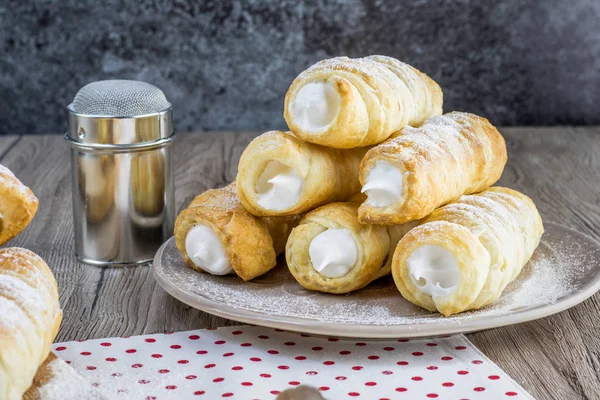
(252, 243)
(450, 155)
(18, 205)
(30, 316)
(378, 95)
(329, 174)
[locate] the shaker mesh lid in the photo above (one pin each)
(119, 98)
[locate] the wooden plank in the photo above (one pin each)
(556, 357)
(7, 143)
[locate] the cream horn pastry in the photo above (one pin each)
(18, 205)
(354, 102)
(279, 174)
(215, 234)
(464, 254)
(419, 169)
(330, 251)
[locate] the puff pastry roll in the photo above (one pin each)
(279, 174)
(420, 169)
(464, 254)
(215, 234)
(330, 251)
(346, 103)
(30, 315)
(18, 205)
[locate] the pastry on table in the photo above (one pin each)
(18, 205)
(464, 254)
(30, 315)
(354, 102)
(279, 174)
(216, 234)
(330, 251)
(419, 169)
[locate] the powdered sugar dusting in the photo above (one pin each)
(565, 263)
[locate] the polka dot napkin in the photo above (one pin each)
(249, 362)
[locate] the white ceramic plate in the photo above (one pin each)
(564, 271)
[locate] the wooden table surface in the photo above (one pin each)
(559, 167)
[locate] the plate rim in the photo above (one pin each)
(353, 330)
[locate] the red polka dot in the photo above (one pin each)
(255, 359)
(373, 357)
(477, 362)
(345, 352)
(361, 344)
(431, 344)
(90, 368)
(201, 352)
(311, 372)
(85, 353)
(228, 394)
(403, 340)
(324, 388)
(143, 381)
(384, 398)
(130, 351)
(494, 377)
(479, 389)
(275, 392)
(265, 375)
(163, 371)
(328, 362)
(387, 372)
(317, 348)
(511, 393)
(333, 339)
(111, 359)
(175, 346)
(278, 330)
(194, 337)
(199, 392)
(416, 378)
(402, 363)
(357, 367)
(354, 394)
(263, 337)
(182, 362)
(290, 343)
(462, 372)
(272, 352)
(217, 380)
(446, 358)
(401, 389)
(283, 367)
(432, 395)
(210, 365)
(150, 397)
(137, 366)
(417, 353)
(247, 384)
(432, 368)
(340, 378)
(294, 383)
(60, 348)
(246, 344)
(105, 344)
(170, 387)
(116, 374)
(150, 340)
(237, 368)
(190, 377)
(227, 354)
(156, 355)
(448, 384)
(300, 358)
(220, 342)
(237, 332)
(460, 348)
(370, 383)
(389, 348)
(68, 362)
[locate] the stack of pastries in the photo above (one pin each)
(372, 179)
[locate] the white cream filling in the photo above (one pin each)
(333, 253)
(205, 249)
(316, 105)
(434, 270)
(383, 185)
(278, 187)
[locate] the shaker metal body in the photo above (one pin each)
(123, 195)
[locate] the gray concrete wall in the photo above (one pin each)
(226, 65)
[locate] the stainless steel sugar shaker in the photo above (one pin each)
(120, 133)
